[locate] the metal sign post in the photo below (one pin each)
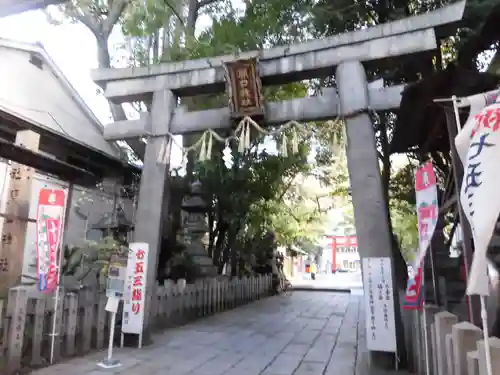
(112, 307)
(114, 291)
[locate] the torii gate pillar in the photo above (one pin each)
(153, 189)
(370, 210)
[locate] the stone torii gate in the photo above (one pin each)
(163, 84)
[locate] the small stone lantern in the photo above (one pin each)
(194, 229)
(115, 224)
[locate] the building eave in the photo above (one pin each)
(38, 49)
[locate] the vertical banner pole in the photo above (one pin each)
(112, 307)
(111, 336)
(487, 348)
(60, 258)
(54, 323)
(467, 260)
(424, 323)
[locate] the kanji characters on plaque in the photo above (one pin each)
(244, 88)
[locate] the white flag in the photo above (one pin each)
(478, 145)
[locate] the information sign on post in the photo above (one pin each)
(135, 290)
(114, 291)
(117, 273)
(379, 302)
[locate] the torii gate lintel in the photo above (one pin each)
(315, 108)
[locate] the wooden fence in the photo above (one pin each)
(83, 324)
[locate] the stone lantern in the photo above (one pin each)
(115, 224)
(195, 228)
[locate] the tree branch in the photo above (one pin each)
(85, 18)
(115, 11)
(286, 188)
(203, 3)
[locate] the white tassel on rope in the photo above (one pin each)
(295, 141)
(209, 145)
(164, 153)
(284, 145)
(241, 138)
(248, 134)
(244, 137)
(203, 148)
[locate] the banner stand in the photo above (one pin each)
(424, 323)
(53, 334)
(122, 340)
(58, 267)
(112, 307)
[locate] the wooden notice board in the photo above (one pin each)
(16, 215)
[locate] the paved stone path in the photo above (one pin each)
(309, 333)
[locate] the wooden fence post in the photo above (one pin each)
(87, 301)
(161, 304)
(169, 296)
(101, 321)
(72, 322)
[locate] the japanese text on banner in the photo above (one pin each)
(135, 288)
(49, 224)
(478, 145)
(427, 215)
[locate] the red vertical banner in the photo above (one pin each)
(49, 224)
(427, 215)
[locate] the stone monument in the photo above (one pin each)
(195, 228)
